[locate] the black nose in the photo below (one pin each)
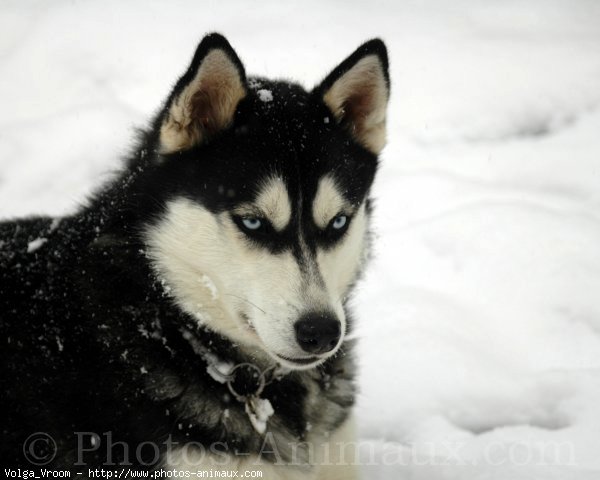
(318, 332)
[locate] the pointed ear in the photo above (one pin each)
(204, 99)
(357, 94)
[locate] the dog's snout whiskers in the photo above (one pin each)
(246, 300)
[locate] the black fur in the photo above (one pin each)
(91, 341)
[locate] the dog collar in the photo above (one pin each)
(245, 381)
(258, 409)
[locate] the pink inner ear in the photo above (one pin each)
(205, 106)
(203, 111)
(358, 99)
(357, 108)
(213, 104)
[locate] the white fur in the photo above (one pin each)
(328, 202)
(273, 203)
(340, 265)
(334, 458)
(215, 273)
(342, 454)
(195, 459)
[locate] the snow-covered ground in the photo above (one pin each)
(480, 314)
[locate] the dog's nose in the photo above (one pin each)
(318, 332)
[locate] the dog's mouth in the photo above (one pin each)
(300, 361)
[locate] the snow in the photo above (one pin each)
(59, 344)
(218, 369)
(259, 410)
(54, 224)
(208, 283)
(36, 244)
(479, 318)
(265, 95)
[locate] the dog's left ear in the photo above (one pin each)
(205, 98)
(357, 93)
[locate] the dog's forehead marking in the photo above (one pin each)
(274, 202)
(328, 201)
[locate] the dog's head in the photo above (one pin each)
(265, 221)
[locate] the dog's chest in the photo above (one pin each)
(303, 409)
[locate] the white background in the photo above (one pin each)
(479, 318)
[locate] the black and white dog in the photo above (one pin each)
(193, 315)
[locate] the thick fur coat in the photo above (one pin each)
(242, 213)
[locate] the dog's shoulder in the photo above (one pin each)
(23, 244)
(22, 236)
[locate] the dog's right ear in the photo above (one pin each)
(205, 98)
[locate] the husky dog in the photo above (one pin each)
(193, 315)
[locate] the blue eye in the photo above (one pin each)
(339, 222)
(252, 223)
